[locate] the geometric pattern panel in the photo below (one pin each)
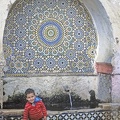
(48, 36)
(92, 115)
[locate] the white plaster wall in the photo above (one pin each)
(5, 5)
(113, 11)
(103, 28)
(112, 8)
(116, 89)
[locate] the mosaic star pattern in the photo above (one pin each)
(48, 36)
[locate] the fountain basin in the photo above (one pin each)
(80, 114)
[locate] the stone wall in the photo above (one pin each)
(54, 85)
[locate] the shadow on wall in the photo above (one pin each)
(57, 102)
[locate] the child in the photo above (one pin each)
(34, 108)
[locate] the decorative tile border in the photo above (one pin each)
(92, 115)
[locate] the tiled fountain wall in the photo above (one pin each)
(44, 38)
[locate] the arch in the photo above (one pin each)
(104, 30)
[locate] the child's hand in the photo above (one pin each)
(45, 118)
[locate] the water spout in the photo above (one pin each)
(70, 101)
(66, 88)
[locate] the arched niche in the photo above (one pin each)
(49, 37)
(103, 34)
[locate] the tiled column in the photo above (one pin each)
(104, 71)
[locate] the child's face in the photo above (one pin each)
(30, 97)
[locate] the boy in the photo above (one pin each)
(34, 108)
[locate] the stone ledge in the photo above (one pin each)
(110, 106)
(102, 107)
(7, 112)
(95, 114)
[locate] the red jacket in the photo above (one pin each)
(34, 112)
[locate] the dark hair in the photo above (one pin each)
(28, 91)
